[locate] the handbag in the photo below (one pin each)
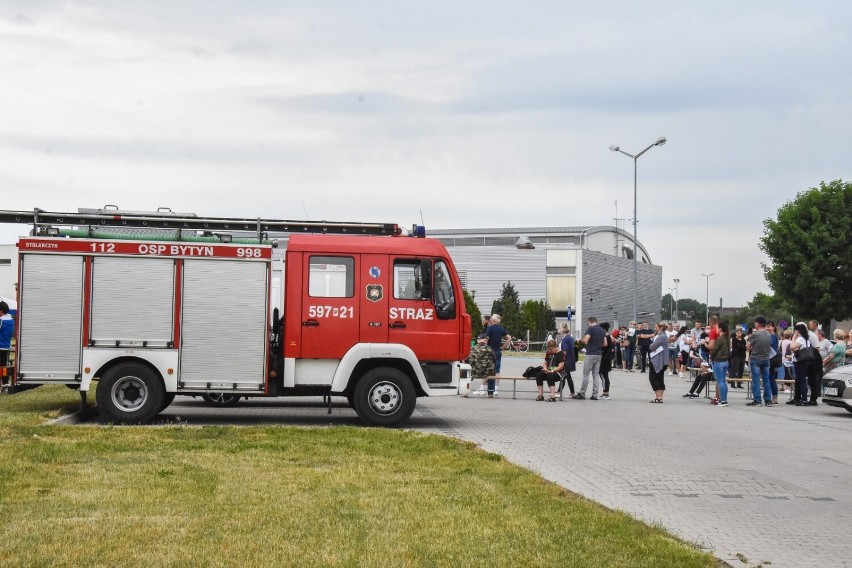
(775, 361)
(806, 355)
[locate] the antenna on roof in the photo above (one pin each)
(305, 209)
(422, 222)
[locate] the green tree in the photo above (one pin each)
(508, 305)
(767, 305)
(808, 245)
(667, 307)
(537, 317)
(473, 311)
(691, 310)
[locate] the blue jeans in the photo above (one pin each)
(760, 374)
(720, 371)
(628, 356)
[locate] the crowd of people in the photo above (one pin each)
(802, 354)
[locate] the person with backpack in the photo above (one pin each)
(481, 361)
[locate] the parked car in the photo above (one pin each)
(837, 387)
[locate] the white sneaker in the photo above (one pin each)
(605, 397)
(681, 375)
(481, 392)
(496, 392)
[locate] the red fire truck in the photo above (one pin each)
(191, 308)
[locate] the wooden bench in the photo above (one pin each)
(515, 385)
(747, 388)
(693, 372)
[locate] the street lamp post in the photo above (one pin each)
(658, 142)
(671, 303)
(676, 282)
(707, 297)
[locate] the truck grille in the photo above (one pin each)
(835, 384)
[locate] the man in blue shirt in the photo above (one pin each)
(7, 332)
(594, 340)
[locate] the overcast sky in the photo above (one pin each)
(480, 114)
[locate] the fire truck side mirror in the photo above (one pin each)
(425, 279)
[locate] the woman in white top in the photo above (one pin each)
(800, 340)
(787, 357)
(684, 344)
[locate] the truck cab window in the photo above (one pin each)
(408, 280)
(331, 277)
(445, 301)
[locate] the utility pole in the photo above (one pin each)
(707, 297)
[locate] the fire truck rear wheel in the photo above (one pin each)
(130, 393)
(384, 397)
(220, 398)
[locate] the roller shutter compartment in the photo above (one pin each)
(132, 301)
(51, 306)
(224, 325)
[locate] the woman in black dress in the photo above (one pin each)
(606, 360)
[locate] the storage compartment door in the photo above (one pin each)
(224, 325)
(51, 318)
(132, 302)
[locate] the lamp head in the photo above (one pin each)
(614, 148)
(660, 141)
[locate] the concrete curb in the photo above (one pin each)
(75, 418)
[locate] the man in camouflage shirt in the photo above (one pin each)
(482, 363)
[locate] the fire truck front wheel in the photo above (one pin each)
(130, 393)
(384, 397)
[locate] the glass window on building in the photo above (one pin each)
(561, 291)
(561, 258)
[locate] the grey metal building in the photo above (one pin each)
(589, 268)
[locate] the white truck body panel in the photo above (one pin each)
(164, 360)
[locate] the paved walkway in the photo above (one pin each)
(770, 484)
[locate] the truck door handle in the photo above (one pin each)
(311, 322)
(397, 324)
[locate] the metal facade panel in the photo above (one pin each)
(488, 268)
(224, 324)
(607, 289)
(51, 305)
(132, 300)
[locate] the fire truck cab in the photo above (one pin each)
(379, 320)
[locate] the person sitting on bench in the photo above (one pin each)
(700, 381)
(554, 364)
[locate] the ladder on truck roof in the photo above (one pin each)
(164, 219)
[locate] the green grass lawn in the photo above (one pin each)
(285, 496)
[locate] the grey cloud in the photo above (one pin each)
(349, 102)
(148, 149)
